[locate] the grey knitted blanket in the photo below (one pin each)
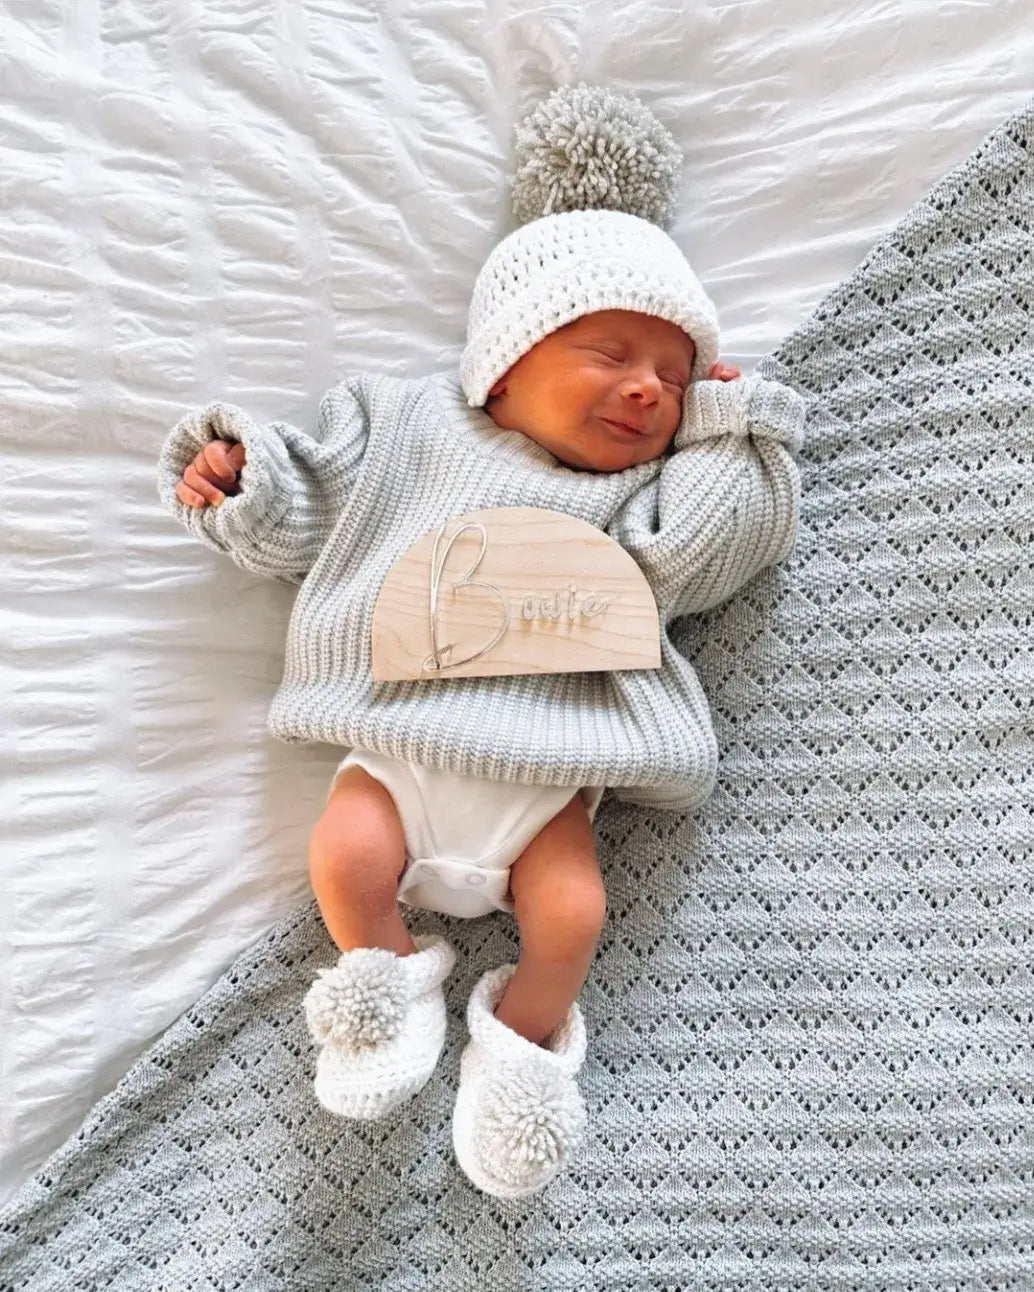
(811, 1059)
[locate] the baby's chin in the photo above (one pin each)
(589, 454)
(616, 459)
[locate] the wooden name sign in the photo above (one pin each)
(513, 590)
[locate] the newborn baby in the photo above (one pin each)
(602, 393)
(592, 388)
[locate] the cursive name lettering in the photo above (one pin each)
(563, 605)
(552, 606)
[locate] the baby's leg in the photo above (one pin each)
(356, 855)
(560, 907)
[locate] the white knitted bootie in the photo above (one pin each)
(519, 1113)
(380, 1020)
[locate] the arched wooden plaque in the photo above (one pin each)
(513, 590)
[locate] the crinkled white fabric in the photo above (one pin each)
(199, 198)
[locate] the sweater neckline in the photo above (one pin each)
(478, 423)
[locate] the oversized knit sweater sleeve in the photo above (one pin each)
(726, 503)
(292, 486)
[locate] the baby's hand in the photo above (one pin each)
(212, 475)
(719, 372)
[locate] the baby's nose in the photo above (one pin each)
(642, 389)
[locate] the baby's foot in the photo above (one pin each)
(380, 1020)
(519, 1113)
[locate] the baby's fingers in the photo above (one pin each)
(215, 462)
(219, 462)
(194, 480)
(187, 495)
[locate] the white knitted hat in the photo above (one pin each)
(597, 182)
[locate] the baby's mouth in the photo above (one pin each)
(623, 427)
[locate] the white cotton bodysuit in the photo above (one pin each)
(462, 833)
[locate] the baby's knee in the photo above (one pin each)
(565, 918)
(357, 846)
(586, 912)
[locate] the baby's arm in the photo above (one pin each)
(291, 487)
(726, 503)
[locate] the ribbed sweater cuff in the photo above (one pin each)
(264, 481)
(776, 411)
(748, 406)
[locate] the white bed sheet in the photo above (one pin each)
(250, 201)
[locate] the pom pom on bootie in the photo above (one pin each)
(359, 1002)
(379, 1019)
(519, 1115)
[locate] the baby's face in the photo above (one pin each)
(579, 390)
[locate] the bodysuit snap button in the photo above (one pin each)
(475, 880)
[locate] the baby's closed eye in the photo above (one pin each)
(669, 377)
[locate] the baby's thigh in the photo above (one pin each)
(359, 832)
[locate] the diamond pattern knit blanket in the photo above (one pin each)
(811, 1061)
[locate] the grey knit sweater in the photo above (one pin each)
(393, 459)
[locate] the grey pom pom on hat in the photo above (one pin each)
(589, 148)
(596, 185)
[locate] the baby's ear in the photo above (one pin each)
(498, 389)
